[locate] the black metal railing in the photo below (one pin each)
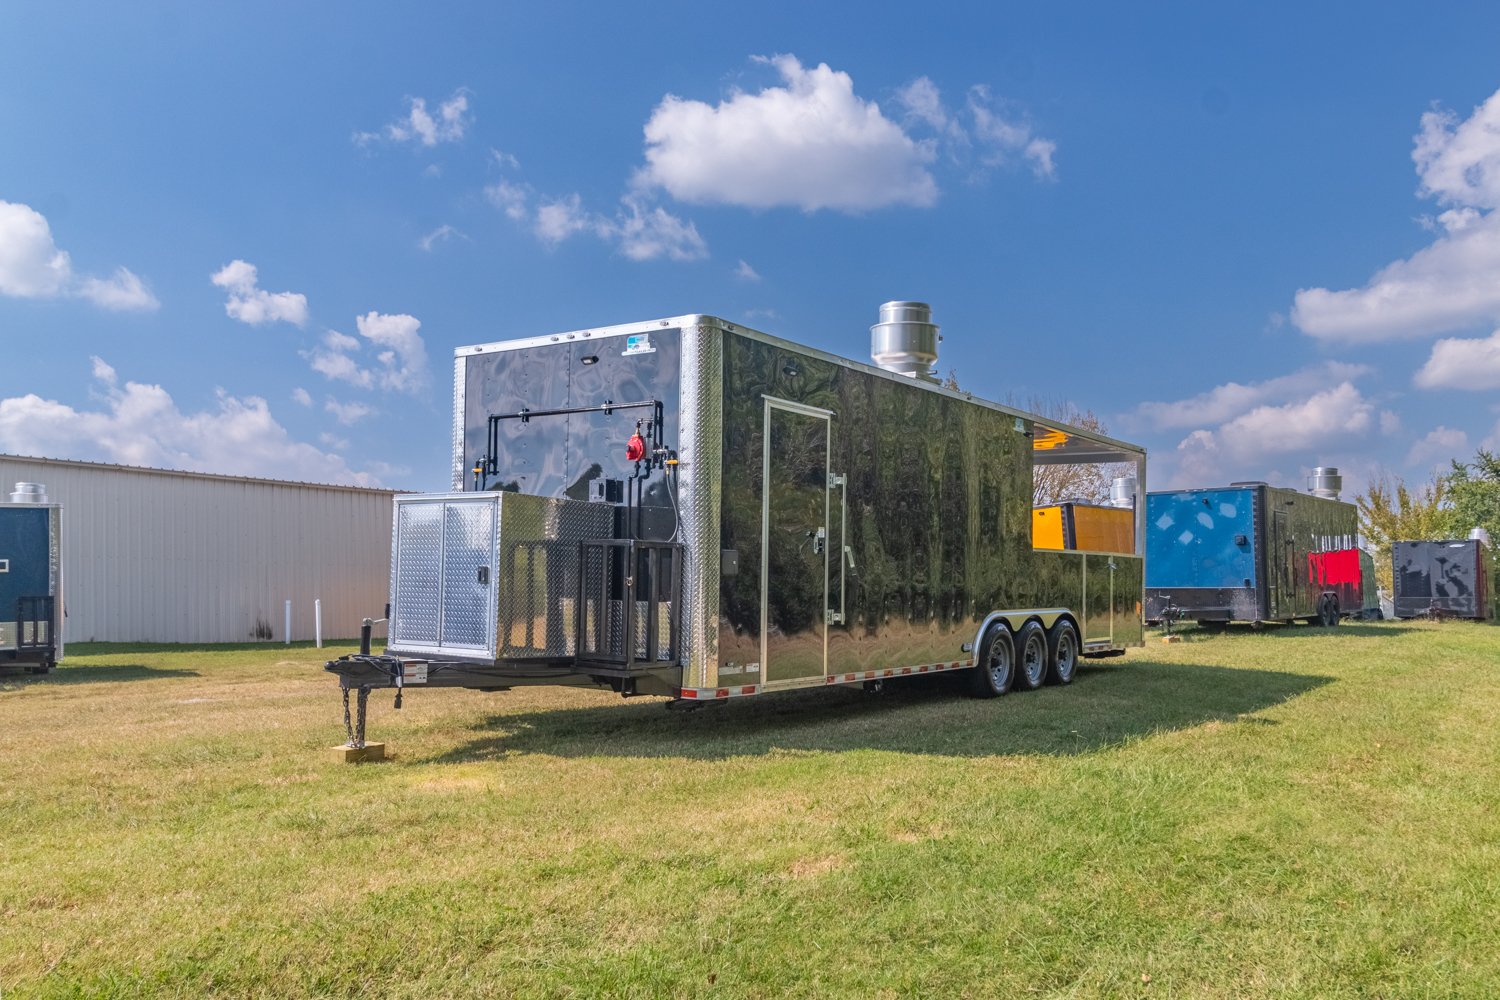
(629, 603)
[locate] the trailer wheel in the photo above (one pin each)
(990, 676)
(1062, 652)
(1031, 656)
(1333, 611)
(1325, 611)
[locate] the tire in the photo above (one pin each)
(1031, 656)
(991, 674)
(1333, 612)
(1062, 652)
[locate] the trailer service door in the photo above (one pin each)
(794, 542)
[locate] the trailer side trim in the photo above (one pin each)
(856, 677)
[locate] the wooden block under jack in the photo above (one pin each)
(1171, 638)
(366, 754)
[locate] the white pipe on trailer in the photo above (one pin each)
(318, 621)
(287, 634)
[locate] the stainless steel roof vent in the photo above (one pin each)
(29, 493)
(1325, 482)
(1480, 535)
(905, 341)
(1122, 492)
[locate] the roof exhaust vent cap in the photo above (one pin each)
(1479, 535)
(1325, 482)
(905, 340)
(29, 493)
(1122, 492)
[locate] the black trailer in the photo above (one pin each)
(1453, 578)
(30, 581)
(690, 508)
(1252, 553)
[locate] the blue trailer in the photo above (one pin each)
(30, 581)
(1249, 552)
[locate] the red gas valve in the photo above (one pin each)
(635, 448)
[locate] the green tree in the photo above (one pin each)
(1390, 511)
(1473, 490)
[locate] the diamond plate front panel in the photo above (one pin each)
(468, 542)
(490, 575)
(702, 449)
(416, 604)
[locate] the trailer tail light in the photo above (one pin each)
(635, 448)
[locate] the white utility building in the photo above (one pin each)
(153, 555)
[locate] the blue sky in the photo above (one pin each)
(246, 238)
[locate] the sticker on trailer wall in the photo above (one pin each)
(638, 343)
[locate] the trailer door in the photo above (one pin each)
(1281, 558)
(794, 542)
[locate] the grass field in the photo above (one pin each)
(1292, 813)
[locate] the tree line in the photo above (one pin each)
(1465, 497)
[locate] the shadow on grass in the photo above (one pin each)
(102, 675)
(1105, 707)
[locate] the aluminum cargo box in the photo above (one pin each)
(489, 576)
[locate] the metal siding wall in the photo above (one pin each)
(163, 557)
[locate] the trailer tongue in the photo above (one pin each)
(690, 509)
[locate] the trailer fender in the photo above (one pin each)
(1046, 617)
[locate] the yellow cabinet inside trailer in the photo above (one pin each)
(1088, 527)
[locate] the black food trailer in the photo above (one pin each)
(1449, 578)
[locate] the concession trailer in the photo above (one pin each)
(30, 581)
(1452, 578)
(690, 508)
(1249, 552)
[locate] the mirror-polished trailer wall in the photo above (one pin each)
(691, 508)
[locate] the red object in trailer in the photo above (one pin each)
(1337, 572)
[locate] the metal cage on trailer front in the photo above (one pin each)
(690, 508)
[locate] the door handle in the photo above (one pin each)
(484, 575)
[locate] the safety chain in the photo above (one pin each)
(356, 732)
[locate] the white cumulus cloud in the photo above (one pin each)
(448, 124)
(1438, 446)
(249, 303)
(745, 272)
(1455, 281)
(1462, 363)
(646, 232)
(32, 266)
(348, 413)
(1314, 428)
(441, 234)
(811, 143)
(512, 199)
(140, 424)
(560, 218)
(1224, 402)
(639, 229)
(400, 361)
